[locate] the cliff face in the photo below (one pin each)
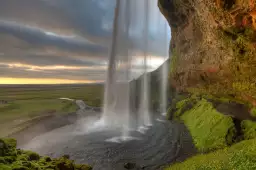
(213, 46)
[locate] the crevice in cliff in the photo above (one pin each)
(235, 133)
(228, 4)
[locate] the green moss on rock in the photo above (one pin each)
(253, 112)
(182, 106)
(249, 129)
(15, 159)
(209, 129)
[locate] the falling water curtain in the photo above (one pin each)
(138, 38)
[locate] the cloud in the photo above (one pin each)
(39, 38)
(66, 39)
(84, 17)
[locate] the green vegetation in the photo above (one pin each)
(213, 131)
(25, 103)
(253, 112)
(15, 159)
(36, 100)
(209, 129)
(34, 107)
(249, 129)
(241, 156)
(180, 107)
(175, 109)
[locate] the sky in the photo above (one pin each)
(68, 41)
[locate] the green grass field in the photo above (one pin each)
(26, 102)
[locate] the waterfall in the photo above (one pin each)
(164, 77)
(132, 41)
(117, 89)
(164, 73)
(145, 117)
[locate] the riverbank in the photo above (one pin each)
(41, 126)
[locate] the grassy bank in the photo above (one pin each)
(241, 156)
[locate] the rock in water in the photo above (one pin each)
(129, 165)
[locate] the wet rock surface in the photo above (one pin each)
(129, 165)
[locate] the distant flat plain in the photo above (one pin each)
(20, 103)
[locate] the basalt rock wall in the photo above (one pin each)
(213, 47)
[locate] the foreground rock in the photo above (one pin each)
(15, 159)
(129, 165)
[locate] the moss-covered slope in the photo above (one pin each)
(15, 159)
(209, 128)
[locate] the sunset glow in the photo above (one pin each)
(5, 80)
(54, 67)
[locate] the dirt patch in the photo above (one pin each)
(233, 109)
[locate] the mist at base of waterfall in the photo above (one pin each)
(120, 139)
(124, 127)
(88, 124)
